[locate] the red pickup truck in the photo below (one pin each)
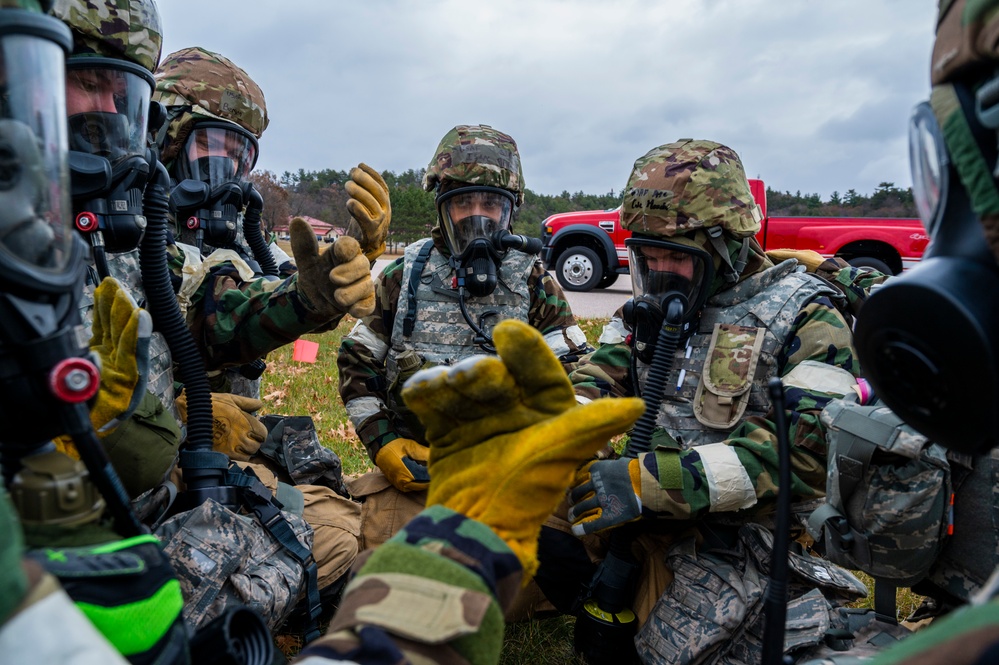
(586, 249)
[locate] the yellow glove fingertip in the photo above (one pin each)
(374, 174)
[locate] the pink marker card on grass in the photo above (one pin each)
(305, 351)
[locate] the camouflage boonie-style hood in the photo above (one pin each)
(196, 84)
(689, 185)
(122, 29)
(476, 155)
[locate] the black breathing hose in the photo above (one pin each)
(607, 643)
(163, 306)
(252, 233)
(655, 384)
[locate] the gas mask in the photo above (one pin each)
(664, 272)
(45, 369)
(109, 116)
(475, 220)
(927, 339)
(212, 170)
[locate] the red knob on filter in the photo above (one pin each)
(86, 222)
(74, 380)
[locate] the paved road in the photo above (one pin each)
(599, 303)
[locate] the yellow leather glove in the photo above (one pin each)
(806, 257)
(370, 208)
(235, 430)
(404, 463)
(506, 434)
(335, 282)
(120, 339)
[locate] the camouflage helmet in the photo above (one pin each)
(476, 155)
(197, 84)
(681, 187)
(121, 29)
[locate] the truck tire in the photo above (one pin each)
(871, 262)
(579, 269)
(607, 280)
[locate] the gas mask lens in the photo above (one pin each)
(928, 162)
(35, 236)
(107, 102)
(217, 153)
(473, 213)
(661, 267)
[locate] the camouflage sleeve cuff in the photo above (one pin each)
(436, 585)
(469, 543)
(375, 432)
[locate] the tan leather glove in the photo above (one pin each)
(235, 430)
(370, 208)
(404, 463)
(336, 282)
(506, 434)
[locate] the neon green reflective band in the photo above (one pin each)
(118, 545)
(137, 627)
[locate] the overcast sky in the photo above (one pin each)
(814, 95)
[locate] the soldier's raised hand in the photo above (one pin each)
(333, 282)
(370, 208)
(506, 434)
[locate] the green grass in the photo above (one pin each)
(295, 388)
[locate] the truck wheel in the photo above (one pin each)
(579, 269)
(607, 280)
(871, 262)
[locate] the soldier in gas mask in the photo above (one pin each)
(49, 378)
(118, 189)
(439, 303)
(712, 320)
(928, 338)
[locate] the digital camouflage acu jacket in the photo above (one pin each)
(361, 362)
(740, 466)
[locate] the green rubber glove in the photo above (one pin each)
(506, 434)
(607, 493)
(333, 283)
(404, 463)
(120, 339)
(370, 208)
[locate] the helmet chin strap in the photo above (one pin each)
(721, 249)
